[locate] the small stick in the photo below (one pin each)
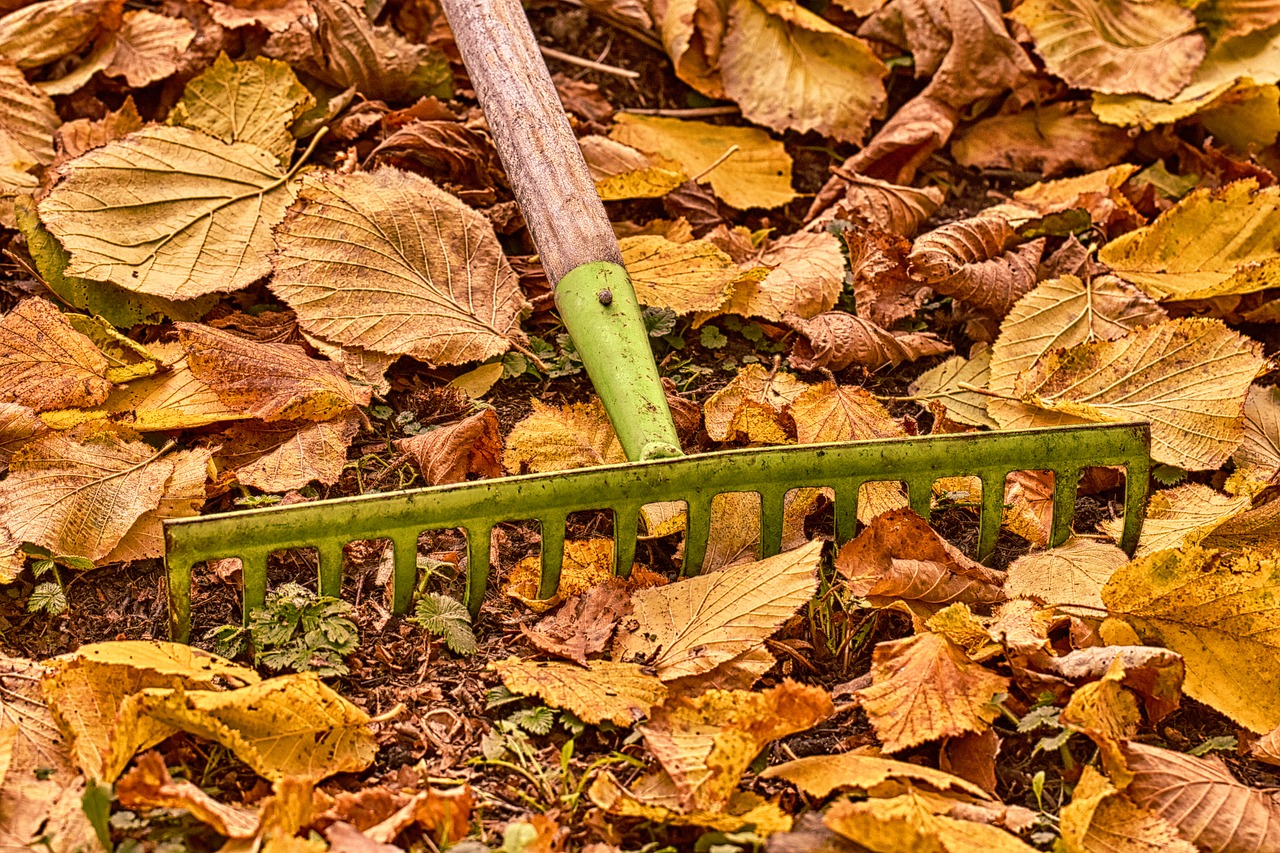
(552, 53)
(732, 149)
(691, 112)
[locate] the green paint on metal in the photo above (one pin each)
(598, 306)
(548, 498)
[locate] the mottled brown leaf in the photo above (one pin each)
(45, 363)
(282, 455)
(835, 340)
(944, 251)
(18, 425)
(998, 283)
(583, 625)
(448, 454)
(1051, 139)
(884, 292)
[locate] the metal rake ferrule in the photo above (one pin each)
(624, 489)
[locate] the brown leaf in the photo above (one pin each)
(45, 363)
(857, 198)
(925, 688)
(1203, 800)
(274, 382)
(275, 16)
(147, 47)
(184, 494)
(76, 137)
(586, 99)
(1097, 192)
(998, 283)
(28, 120)
(835, 340)
(751, 405)
(18, 425)
(445, 151)
(972, 756)
(898, 556)
(1153, 673)
(448, 454)
(805, 278)
(621, 172)
(583, 625)
(1098, 818)
(149, 786)
(1051, 139)
(944, 251)
(884, 292)
(282, 455)
(445, 815)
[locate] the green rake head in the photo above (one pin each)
(624, 489)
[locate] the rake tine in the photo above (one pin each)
(552, 555)
(846, 511)
(697, 529)
(992, 511)
(626, 526)
(329, 553)
(179, 577)
(477, 566)
(1136, 478)
(1064, 504)
(920, 496)
(772, 504)
(253, 576)
(405, 549)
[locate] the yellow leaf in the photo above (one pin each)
(1061, 312)
(789, 69)
(18, 425)
(805, 277)
(1106, 711)
(907, 822)
(1209, 244)
(558, 439)
(149, 786)
(477, 382)
(1098, 814)
(603, 690)
(745, 811)
(925, 688)
(1114, 47)
(705, 743)
(1187, 377)
(1258, 457)
(1069, 576)
(274, 382)
(27, 121)
(685, 277)
(752, 384)
(1220, 613)
(390, 262)
(758, 174)
(252, 102)
(1181, 517)
(621, 172)
(45, 363)
(292, 725)
(588, 563)
(1246, 118)
(689, 628)
(200, 222)
(819, 775)
(79, 492)
(946, 384)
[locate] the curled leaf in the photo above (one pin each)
(944, 251)
(998, 283)
(835, 340)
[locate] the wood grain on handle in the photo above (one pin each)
(532, 135)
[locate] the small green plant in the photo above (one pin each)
(297, 630)
(50, 596)
(448, 619)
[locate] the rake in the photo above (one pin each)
(598, 307)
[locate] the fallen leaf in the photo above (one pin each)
(945, 251)
(1218, 612)
(758, 174)
(446, 151)
(819, 775)
(907, 822)
(40, 33)
(1202, 800)
(744, 810)
(1068, 577)
(805, 276)
(683, 277)
(76, 137)
(252, 102)
(277, 456)
(209, 207)
(1149, 48)
(558, 439)
(620, 171)
(996, 284)
(1188, 378)
(1181, 517)
(972, 756)
(18, 425)
(79, 492)
(432, 267)
(1257, 528)
(1051, 139)
(1060, 313)
(1098, 815)
(880, 204)
(1097, 192)
(705, 743)
(274, 382)
(183, 496)
(45, 363)
(692, 32)
(1155, 674)
(726, 413)
(149, 786)
(444, 814)
(925, 688)
(1258, 457)
(583, 625)
(904, 143)
(1245, 119)
(146, 48)
(836, 340)
(790, 69)
(1106, 712)
(689, 628)
(448, 454)
(950, 382)
(602, 690)
(28, 120)
(882, 289)
(587, 564)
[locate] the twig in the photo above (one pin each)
(733, 149)
(691, 112)
(552, 53)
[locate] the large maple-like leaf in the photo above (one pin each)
(1188, 378)
(169, 212)
(389, 262)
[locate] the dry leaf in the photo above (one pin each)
(428, 266)
(583, 625)
(805, 277)
(603, 690)
(1060, 313)
(76, 137)
(882, 205)
(705, 743)
(1099, 818)
(252, 102)
(899, 557)
(1155, 674)
(1187, 377)
(199, 223)
(1051, 139)
(790, 69)
(945, 251)
(1181, 517)
(1106, 712)
(1069, 576)
(620, 171)
(1212, 243)
(448, 454)
(145, 49)
(998, 283)
(41, 32)
(281, 455)
(1219, 613)
(587, 564)
(446, 151)
(1097, 192)
(274, 382)
(924, 688)
(79, 492)
(557, 439)
(949, 384)
(45, 363)
(183, 497)
(691, 627)
(836, 340)
(1258, 457)
(149, 786)
(819, 775)
(904, 143)
(684, 277)
(18, 425)
(1150, 48)
(908, 822)
(884, 292)
(728, 412)
(654, 798)
(758, 174)
(27, 124)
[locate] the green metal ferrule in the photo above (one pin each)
(598, 306)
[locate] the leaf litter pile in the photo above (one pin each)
(260, 253)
